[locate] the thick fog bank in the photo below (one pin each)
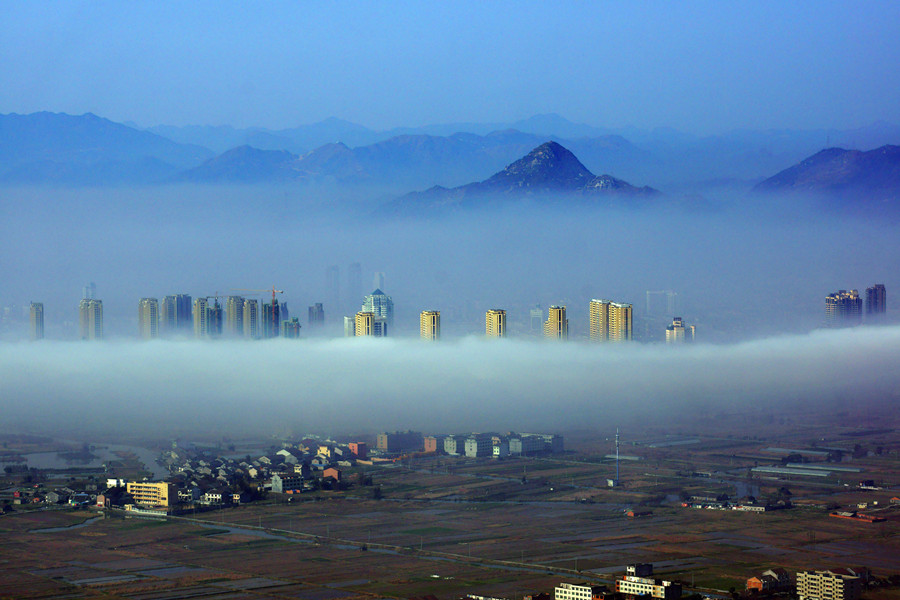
(289, 387)
(738, 268)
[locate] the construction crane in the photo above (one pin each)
(274, 291)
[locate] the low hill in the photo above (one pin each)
(851, 177)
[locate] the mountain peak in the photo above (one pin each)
(550, 170)
(550, 166)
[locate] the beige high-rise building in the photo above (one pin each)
(148, 318)
(430, 325)
(250, 319)
(90, 319)
(234, 316)
(368, 324)
(556, 327)
(201, 318)
(599, 318)
(610, 321)
(678, 332)
(620, 324)
(495, 323)
(37, 320)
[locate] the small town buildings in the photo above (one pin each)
(828, 585)
(479, 445)
(579, 591)
(152, 494)
(435, 443)
(284, 483)
(359, 449)
(772, 580)
(637, 582)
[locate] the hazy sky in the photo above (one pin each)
(696, 66)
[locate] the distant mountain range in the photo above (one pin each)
(863, 178)
(548, 171)
(91, 150)
(51, 148)
(403, 162)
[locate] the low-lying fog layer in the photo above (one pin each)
(289, 387)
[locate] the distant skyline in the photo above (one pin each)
(701, 67)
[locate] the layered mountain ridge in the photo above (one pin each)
(550, 170)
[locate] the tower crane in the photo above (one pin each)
(274, 291)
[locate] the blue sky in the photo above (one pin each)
(703, 67)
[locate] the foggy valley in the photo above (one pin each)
(469, 301)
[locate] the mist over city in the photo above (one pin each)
(346, 386)
(466, 301)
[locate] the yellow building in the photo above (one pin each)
(367, 324)
(827, 585)
(620, 322)
(556, 326)
(610, 321)
(148, 318)
(90, 319)
(430, 325)
(250, 319)
(152, 494)
(495, 323)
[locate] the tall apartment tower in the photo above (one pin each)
(37, 320)
(251, 319)
(381, 305)
(610, 321)
(620, 322)
(271, 319)
(843, 309)
(316, 316)
(430, 325)
(556, 327)
(678, 332)
(176, 314)
(876, 300)
(234, 316)
(148, 318)
(291, 328)
(207, 318)
(90, 319)
(495, 323)
(201, 318)
(368, 323)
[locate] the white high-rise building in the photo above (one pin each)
(148, 318)
(381, 305)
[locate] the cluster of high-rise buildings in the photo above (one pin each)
(251, 318)
(843, 308)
